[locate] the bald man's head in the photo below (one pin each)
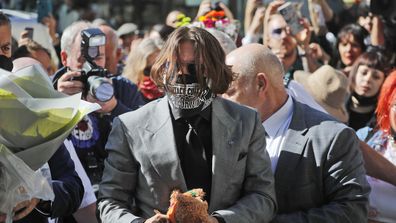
(113, 53)
(259, 79)
(251, 59)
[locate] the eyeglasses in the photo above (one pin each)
(278, 32)
(147, 71)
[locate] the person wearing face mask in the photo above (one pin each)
(5, 43)
(189, 139)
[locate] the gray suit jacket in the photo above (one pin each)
(320, 175)
(143, 165)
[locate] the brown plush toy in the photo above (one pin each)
(188, 207)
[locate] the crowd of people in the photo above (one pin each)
(274, 125)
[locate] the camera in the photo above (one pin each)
(93, 76)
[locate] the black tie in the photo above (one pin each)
(197, 172)
(192, 138)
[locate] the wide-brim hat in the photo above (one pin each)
(329, 87)
(127, 29)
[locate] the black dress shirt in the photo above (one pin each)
(195, 157)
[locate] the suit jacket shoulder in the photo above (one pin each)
(320, 169)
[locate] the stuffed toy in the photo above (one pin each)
(188, 207)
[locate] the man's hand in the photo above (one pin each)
(158, 218)
(272, 8)
(50, 22)
(257, 21)
(24, 38)
(212, 219)
(304, 36)
(68, 86)
(22, 209)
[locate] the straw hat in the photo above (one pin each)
(329, 87)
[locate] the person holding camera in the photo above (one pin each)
(83, 57)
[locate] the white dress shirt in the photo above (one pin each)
(276, 127)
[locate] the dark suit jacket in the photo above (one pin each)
(143, 165)
(320, 175)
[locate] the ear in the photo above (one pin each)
(262, 82)
(63, 56)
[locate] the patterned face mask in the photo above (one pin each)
(186, 93)
(188, 96)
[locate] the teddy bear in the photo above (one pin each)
(188, 207)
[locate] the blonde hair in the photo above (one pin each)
(137, 59)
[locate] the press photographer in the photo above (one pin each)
(83, 58)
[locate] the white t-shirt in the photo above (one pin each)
(89, 195)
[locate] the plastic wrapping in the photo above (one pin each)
(19, 183)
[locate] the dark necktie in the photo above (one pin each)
(192, 138)
(197, 171)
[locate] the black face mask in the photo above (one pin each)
(6, 63)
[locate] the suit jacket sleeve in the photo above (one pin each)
(345, 185)
(66, 183)
(258, 202)
(118, 180)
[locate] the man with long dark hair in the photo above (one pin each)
(189, 139)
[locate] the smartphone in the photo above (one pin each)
(292, 16)
(30, 32)
(44, 9)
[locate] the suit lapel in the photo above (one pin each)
(294, 143)
(161, 147)
(225, 129)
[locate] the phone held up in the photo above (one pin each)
(291, 13)
(29, 32)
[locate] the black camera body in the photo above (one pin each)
(93, 76)
(90, 69)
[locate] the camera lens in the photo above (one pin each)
(100, 88)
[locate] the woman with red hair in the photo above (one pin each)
(382, 139)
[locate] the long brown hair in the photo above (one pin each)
(209, 59)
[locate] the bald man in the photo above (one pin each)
(113, 51)
(316, 161)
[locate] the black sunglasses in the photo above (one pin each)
(147, 71)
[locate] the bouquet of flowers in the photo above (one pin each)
(35, 120)
(217, 19)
